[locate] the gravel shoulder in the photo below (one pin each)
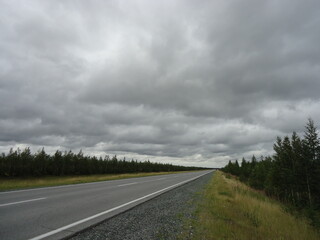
(162, 217)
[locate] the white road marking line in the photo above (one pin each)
(25, 201)
(110, 210)
(160, 178)
(153, 180)
(66, 186)
(127, 184)
(54, 187)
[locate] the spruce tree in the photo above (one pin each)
(311, 146)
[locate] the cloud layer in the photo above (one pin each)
(174, 81)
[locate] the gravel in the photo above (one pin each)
(162, 217)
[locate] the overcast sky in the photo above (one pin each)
(186, 82)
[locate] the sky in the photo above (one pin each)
(195, 83)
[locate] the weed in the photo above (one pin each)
(230, 209)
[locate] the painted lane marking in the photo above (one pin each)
(127, 184)
(153, 180)
(71, 185)
(42, 236)
(55, 187)
(25, 201)
(160, 179)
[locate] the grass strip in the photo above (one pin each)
(25, 183)
(232, 210)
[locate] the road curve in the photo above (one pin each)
(57, 212)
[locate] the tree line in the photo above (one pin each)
(291, 175)
(23, 163)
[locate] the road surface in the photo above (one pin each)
(57, 212)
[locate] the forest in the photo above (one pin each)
(291, 175)
(19, 163)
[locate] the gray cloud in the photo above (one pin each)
(172, 81)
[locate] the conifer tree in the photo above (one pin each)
(311, 147)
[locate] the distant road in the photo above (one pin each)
(57, 212)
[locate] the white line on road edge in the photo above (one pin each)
(75, 185)
(110, 210)
(31, 200)
(127, 184)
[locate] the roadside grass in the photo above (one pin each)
(231, 210)
(25, 183)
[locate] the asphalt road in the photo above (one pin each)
(57, 212)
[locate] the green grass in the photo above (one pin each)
(231, 210)
(24, 183)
